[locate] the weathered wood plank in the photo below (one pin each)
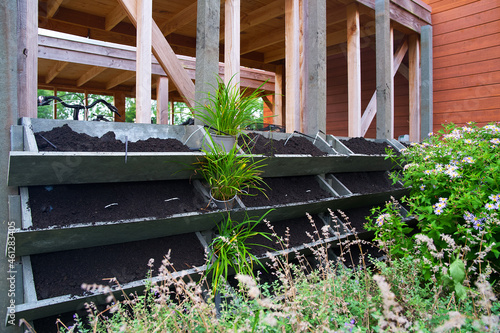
(354, 71)
(426, 94)
(292, 66)
(232, 43)
(185, 16)
(162, 102)
(143, 63)
(125, 76)
(114, 17)
(414, 87)
(55, 70)
(89, 75)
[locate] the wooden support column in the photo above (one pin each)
(292, 63)
(55, 104)
(172, 110)
(120, 103)
(143, 63)
(414, 85)
(162, 100)
(314, 113)
(207, 49)
(86, 103)
(385, 81)
(426, 95)
(279, 112)
(27, 60)
(353, 71)
(232, 42)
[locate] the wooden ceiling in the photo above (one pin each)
(262, 34)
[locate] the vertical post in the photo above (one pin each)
(86, 103)
(414, 86)
(292, 65)
(353, 71)
(119, 100)
(384, 55)
(232, 42)
(162, 100)
(426, 94)
(143, 63)
(279, 111)
(207, 49)
(9, 55)
(314, 113)
(55, 104)
(27, 60)
(172, 109)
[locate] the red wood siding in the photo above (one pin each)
(466, 38)
(336, 118)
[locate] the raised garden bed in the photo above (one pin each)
(352, 255)
(367, 147)
(255, 143)
(52, 281)
(367, 182)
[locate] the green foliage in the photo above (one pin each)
(229, 109)
(229, 173)
(455, 190)
(230, 249)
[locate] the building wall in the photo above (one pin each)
(466, 38)
(336, 118)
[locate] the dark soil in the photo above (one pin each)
(284, 190)
(352, 253)
(61, 205)
(297, 234)
(367, 182)
(366, 147)
(62, 273)
(258, 144)
(356, 217)
(65, 139)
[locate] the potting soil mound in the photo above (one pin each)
(356, 217)
(62, 273)
(284, 190)
(65, 139)
(366, 147)
(258, 144)
(367, 182)
(61, 205)
(297, 234)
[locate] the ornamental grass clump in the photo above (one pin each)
(455, 194)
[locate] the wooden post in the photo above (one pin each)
(426, 94)
(385, 81)
(314, 113)
(55, 104)
(162, 100)
(172, 109)
(86, 103)
(353, 71)
(143, 64)
(232, 43)
(292, 63)
(207, 50)
(414, 86)
(27, 60)
(279, 112)
(120, 104)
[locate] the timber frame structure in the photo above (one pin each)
(287, 42)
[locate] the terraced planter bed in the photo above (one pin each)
(52, 281)
(367, 147)
(256, 143)
(367, 182)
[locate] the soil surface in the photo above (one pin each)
(367, 147)
(284, 190)
(62, 273)
(367, 182)
(65, 139)
(258, 144)
(356, 217)
(61, 205)
(296, 236)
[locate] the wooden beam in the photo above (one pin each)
(385, 81)
(119, 99)
(52, 7)
(314, 113)
(114, 17)
(117, 80)
(279, 112)
(371, 109)
(207, 49)
(353, 71)
(162, 100)
(252, 44)
(426, 93)
(185, 16)
(143, 63)
(27, 58)
(292, 40)
(89, 75)
(414, 86)
(165, 56)
(54, 71)
(232, 43)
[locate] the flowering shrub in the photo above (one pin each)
(455, 190)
